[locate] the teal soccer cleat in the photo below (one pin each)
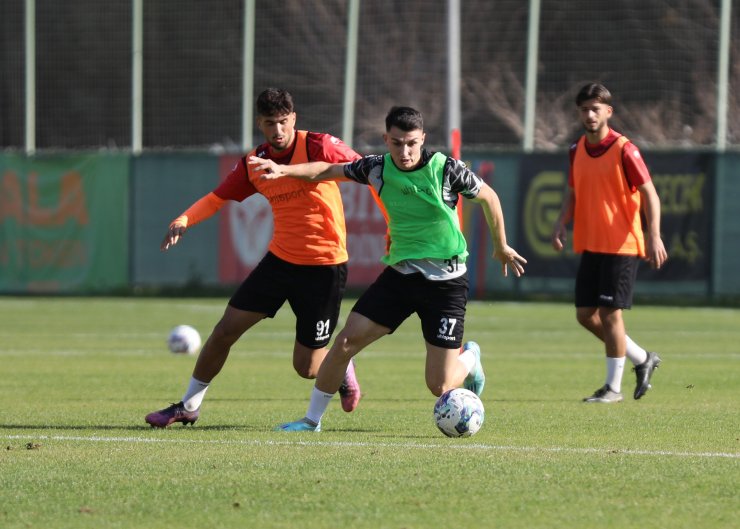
(476, 379)
(302, 425)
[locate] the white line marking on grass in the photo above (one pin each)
(350, 444)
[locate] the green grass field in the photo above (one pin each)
(79, 374)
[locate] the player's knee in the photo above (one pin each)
(346, 347)
(223, 335)
(610, 316)
(306, 373)
(438, 386)
(587, 319)
(307, 361)
(306, 369)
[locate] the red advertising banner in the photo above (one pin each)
(245, 231)
(366, 230)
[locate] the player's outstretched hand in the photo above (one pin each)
(509, 258)
(270, 170)
(175, 231)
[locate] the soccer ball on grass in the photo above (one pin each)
(458, 413)
(183, 339)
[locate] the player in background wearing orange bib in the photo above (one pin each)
(306, 261)
(608, 188)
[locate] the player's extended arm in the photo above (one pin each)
(559, 230)
(489, 201)
(311, 171)
(655, 251)
(199, 211)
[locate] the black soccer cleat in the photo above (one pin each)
(644, 372)
(605, 395)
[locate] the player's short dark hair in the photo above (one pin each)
(274, 102)
(594, 91)
(405, 118)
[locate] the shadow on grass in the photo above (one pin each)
(142, 428)
(508, 401)
(375, 435)
(300, 398)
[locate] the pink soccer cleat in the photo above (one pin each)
(349, 391)
(175, 413)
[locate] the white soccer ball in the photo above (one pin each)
(459, 413)
(183, 339)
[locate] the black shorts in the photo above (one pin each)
(313, 292)
(606, 280)
(440, 305)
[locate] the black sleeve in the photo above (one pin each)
(360, 170)
(462, 180)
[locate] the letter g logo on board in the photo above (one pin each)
(541, 209)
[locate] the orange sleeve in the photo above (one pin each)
(201, 210)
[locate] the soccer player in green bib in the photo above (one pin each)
(418, 192)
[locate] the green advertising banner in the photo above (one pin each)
(63, 223)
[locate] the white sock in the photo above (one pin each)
(468, 360)
(317, 406)
(193, 397)
(614, 370)
(635, 353)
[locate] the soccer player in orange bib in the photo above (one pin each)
(608, 187)
(306, 261)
